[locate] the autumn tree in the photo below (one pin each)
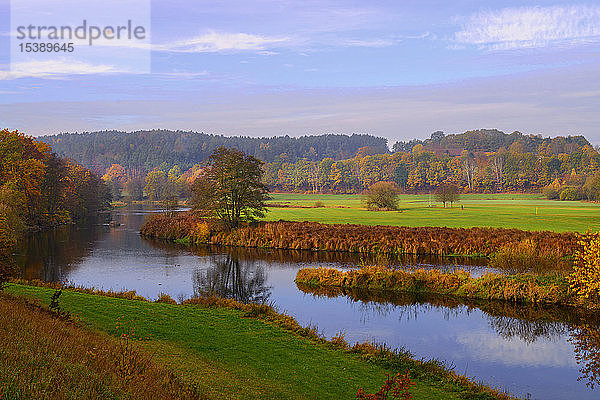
(38, 189)
(156, 183)
(231, 188)
(115, 177)
(447, 194)
(381, 196)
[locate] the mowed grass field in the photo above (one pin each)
(489, 210)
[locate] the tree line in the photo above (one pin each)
(39, 189)
(485, 161)
(147, 150)
(421, 170)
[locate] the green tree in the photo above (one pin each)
(231, 188)
(156, 183)
(381, 196)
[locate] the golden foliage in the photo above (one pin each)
(585, 279)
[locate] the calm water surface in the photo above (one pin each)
(528, 351)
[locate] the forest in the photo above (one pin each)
(162, 164)
(39, 189)
(147, 150)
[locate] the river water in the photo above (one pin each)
(529, 351)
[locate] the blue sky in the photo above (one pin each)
(397, 69)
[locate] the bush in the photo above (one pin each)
(569, 194)
(526, 256)
(551, 192)
(382, 196)
(585, 279)
(319, 204)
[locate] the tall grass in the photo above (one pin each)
(359, 238)
(524, 288)
(45, 356)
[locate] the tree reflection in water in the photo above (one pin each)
(231, 279)
(527, 322)
(586, 340)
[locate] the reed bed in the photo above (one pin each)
(188, 228)
(520, 288)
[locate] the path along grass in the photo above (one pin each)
(522, 211)
(230, 355)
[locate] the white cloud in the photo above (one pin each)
(214, 42)
(55, 69)
(516, 352)
(530, 27)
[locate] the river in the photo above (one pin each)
(529, 351)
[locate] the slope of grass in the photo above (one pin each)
(43, 356)
(491, 210)
(231, 356)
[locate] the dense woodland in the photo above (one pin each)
(161, 165)
(147, 150)
(39, 189)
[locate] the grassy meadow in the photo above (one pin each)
(225, 354)
(486, 210)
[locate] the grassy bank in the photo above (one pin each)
(523, 288)
(46, 356)
(520, 211)
(231, 350)
(543, 247)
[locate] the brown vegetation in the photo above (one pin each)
(358, 238)
(516, 288)
(44, 355)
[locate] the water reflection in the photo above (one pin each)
(528, 349)
(529, 323)
(476, 265)
(227, 277)
(586, 339)
(51, 255)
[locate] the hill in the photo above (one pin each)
(492, 140)
(149, 149)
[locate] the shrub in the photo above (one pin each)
(525, 256)
(585, 279)
(360, 238)
(520, 288)
(569, 194)
(382, 196)
(397, 387)
(319, 204)
(165, 298)
(551, 192)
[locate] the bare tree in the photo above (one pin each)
(469, 168)
(447, 194)
(498, 163)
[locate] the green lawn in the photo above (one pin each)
(494, 210)
(230, 356)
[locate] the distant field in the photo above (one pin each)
(495, 210)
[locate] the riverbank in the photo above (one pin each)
(518, 288)
(543, 247)
(231, 350)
